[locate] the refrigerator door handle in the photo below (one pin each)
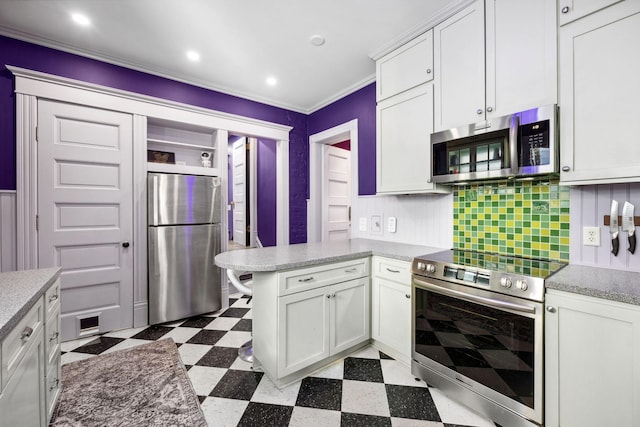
(156, 203)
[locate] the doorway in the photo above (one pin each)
(317, 208)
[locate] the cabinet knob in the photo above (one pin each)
(407, 296)
(333, 295)
(489, 109)
(428, 70)
(328, 296)
(566, 169)
(26, 333)
(551, 309)
(125, 244)
(479, 111)
(53, 297)
(565, 9)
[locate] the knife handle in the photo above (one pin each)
(632, 243)
(615, 243)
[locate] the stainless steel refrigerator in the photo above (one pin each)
(184, 237)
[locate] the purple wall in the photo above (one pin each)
(359, 105)
(266, 171)
(38, 58)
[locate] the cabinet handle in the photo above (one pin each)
(351, 270)
(308, 279)
(489, 109)
(407, 296)
(333, 295)
(565, 9)
(392, 271)
(328, 296)
(566, 169)
(551, 309)
(479, 111)
(54, 384)
(53, 297)
(428, 70)
(54, 336)
(26, 333)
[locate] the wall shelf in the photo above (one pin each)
(180, 144)
(183, 169)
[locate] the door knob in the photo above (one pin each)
(125, 244)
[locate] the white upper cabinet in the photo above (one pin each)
(599, 93)
(459, 68)
(493, 62)
(408, 66)
(570, 10)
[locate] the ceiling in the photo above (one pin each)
(240, 42)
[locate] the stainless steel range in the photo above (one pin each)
(477, 331)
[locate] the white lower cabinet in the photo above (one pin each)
(592, 373)
(30, 373)
(391, 307)
(297, 329)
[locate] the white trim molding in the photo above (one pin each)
(348, 130)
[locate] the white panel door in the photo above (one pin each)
(336, 191)
(239, 160)
(85, 213)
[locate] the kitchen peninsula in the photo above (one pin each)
(313, 303)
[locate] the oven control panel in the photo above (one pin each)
(498, 281)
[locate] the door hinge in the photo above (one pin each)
(37, 133)
(37, 222)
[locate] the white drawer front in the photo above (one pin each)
(392, 269)
(52, 298)
(52, 335)
(19, 339)
(53, 385)
(293, 281)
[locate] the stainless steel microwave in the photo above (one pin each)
(523, 144)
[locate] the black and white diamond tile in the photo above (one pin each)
(368, 388)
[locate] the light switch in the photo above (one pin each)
(362, 223)
(391, 224)
(376, 224)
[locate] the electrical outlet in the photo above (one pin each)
(591, 236)
(376, 224)
(391, 224)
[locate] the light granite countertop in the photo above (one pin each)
(614, 285)
(277, 258)
(19, 291)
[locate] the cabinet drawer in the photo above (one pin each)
(52, 335)
(20, 339)
(392, 269)
(52, 298)
(293, 281)
(53, 385)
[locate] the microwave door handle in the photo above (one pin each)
(514, 129)
(490, 302)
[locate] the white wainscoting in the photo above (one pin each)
(421, 219)
(7, 230)
(589, 205)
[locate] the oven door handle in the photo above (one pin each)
(475, 298)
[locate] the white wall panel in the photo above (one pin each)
(421, 219)
(8, 230)
(589, 205)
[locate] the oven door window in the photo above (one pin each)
(490, 346)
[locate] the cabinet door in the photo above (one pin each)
(592, 365)
(405, 123)
(570, 10)
(22, 402)
(521, 52)
(303, 327)
(408, 66)
(459, 81)
(350, 321)
(599, 92)
(391, 315)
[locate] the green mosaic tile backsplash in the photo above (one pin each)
(524, 218)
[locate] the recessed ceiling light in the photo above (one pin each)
(271, 81)
(317, 40)
(80, 19)
(193, 55)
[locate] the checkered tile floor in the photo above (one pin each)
(367, 388)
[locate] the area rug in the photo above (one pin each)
(145, 385)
